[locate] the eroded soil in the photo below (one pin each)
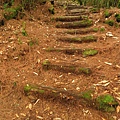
(21, 59)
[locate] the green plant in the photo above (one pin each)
(51, 10)
(87, 94)
(117, 16)
(107, 14)
(89, 52)
(27, 88)
(11, 13)
(94, 10)
(31, 43)
(100, 3)
(110, 22)
(95, 29)
(7, 4)
(106, 103)
(24, 33)
(46, 64)
(19, 41)
(102, 29)
(85, 70)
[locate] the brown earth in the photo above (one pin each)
(21, 60)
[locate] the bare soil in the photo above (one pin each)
(21, 59)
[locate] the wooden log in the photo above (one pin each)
(46, 65)
(70, 7)
(81, 31)
(71, 51)
(106, 102)
(77, 14)
(77, 24)
(74, 11)
(70, 18)
(85, 39)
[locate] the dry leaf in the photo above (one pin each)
(103, 118)
(118, 109)
(30, 106)
(39, 117)
(108, 63)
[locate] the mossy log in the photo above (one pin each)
(70, 18)
(77, 24)
(94, 10)
(70, 7)
(105, 102)
(71, 51)
(46, 65)
(74, 11)
(85, 96)
(85, 39)
(77, 14)
(82, 31)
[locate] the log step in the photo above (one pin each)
(76, 24)
(71, 51)
(81, 31)
(85, 39)
(47, 65)
(70, 18)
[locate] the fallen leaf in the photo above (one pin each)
(108, 63)
(118, 109)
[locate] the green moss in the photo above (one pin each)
(72, 68)
(94, 10)
(95, 29)
(27, 88)
(76, 24)
(46, 64)
(117, 16)
(87, 94)
(11, 13)
(24, 33)
(110, 22)
(31, 43)
(41, 91)
(106, 103)
(85, 70)
(89, 38)
(107, 14)
(102, 29)
(86, 22)
(89, 52)
(51, 10)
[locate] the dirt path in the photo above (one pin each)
(62, 41)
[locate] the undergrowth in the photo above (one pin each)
(101, 3)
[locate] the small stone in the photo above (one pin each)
(109, 34)
(30, 106)
(77, 88)
(38, 61)
(51, 112)
(73, 81)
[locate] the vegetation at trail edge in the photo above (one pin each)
(101, 3)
